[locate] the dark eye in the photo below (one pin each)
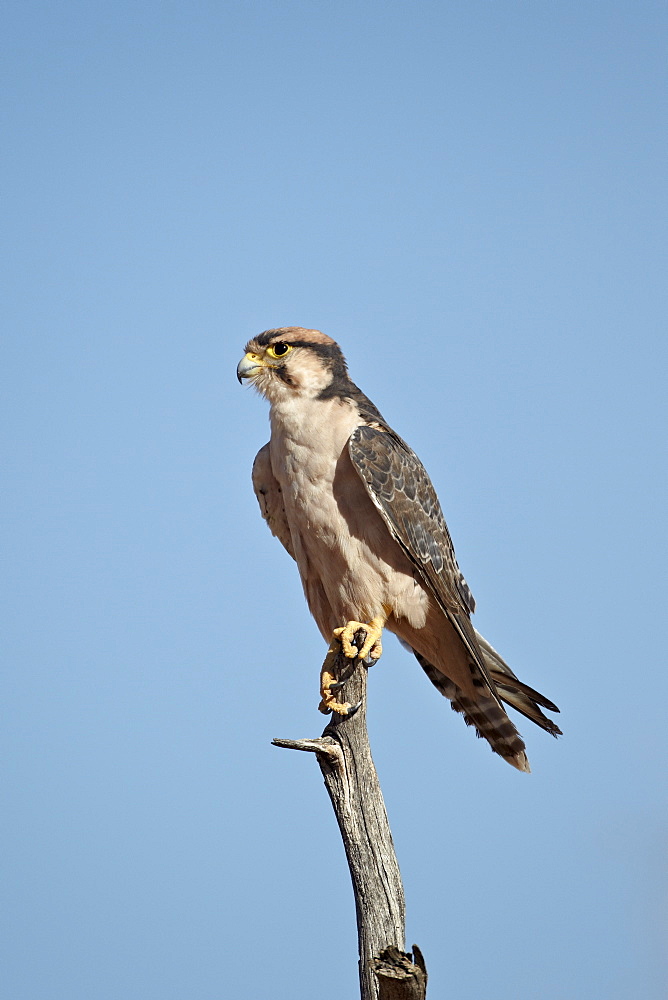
(279, 350)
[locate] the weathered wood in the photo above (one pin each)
(401, 976)
(344, 756)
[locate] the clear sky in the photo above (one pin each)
(471, 198)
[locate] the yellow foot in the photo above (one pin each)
(327, 681)
(372, 644)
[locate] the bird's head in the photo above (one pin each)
(292, 361)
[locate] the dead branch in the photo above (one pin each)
(344, 756)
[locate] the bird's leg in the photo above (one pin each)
(329, 680)
(369, 650)
(372, 646)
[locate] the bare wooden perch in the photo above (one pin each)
(400, 976)
(343, 753)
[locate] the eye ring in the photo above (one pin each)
(279, 350)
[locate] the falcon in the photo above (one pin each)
(354, 507)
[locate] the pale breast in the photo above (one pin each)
(351, 567)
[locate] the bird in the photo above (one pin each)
(355, 508)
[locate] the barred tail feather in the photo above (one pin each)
(519, 696)
(485, 713)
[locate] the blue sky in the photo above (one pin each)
(470, 198)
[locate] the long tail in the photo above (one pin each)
(485, 712)
(519, 696)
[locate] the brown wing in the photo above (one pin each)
(402, 491)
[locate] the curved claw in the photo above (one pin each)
(334, 673)
(368, 661)
(328, 681)
(373, 631)
(345, 710)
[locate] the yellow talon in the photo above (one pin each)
(327, 678)
(343, 640)
(329, 702)
(372, 644)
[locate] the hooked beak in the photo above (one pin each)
(249, 366)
